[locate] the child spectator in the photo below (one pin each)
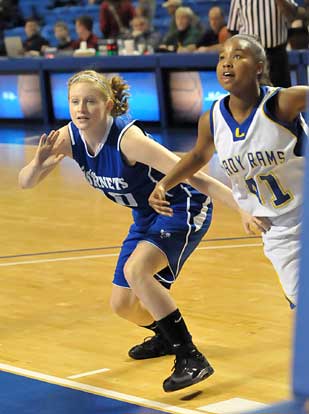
(34, 43)
(83, 27)
(62, 34)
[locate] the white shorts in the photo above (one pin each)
(282, 248)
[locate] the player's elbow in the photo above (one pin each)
(199, 158)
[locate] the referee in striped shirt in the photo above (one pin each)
(268, 20)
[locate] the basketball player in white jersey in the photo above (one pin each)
(124, 163)
(258, 132)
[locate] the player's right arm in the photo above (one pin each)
(51, 150)
(188, 169)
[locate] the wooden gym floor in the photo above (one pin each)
(59, 245)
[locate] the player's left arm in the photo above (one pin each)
(291, 102)
(136, 147)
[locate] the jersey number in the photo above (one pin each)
(279, 196)
(124, 199)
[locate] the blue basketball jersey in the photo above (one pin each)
(127, 185)
(131, 186)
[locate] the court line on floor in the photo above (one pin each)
(96, 390)
(98, 256)
(91, 249)
(87, 374)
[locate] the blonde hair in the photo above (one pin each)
(114, 88)
(184, 11)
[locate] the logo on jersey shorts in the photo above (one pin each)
(164, 234)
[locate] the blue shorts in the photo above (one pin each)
(175, 236)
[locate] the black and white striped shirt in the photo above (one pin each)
(261, 18)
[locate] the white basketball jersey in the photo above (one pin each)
(261, 156)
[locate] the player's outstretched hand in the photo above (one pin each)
(46, 156)
(253, 225)
(158, 202)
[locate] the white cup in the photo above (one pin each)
(129, 46)
(83, 45)
(141, 47)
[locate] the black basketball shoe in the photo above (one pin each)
(152, 347)
(188, 370)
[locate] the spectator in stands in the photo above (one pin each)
(187, 34)
(9, 17)
(298, 35)
(34, 43)
(268, 21)
(212, 38)
(115, 17)
(62, 34)
(145, 38)
(83, 27)
(171, 7)
(146, 8)
(303, 12)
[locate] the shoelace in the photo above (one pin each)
(177, 363)
(148, 338)
(151, 340)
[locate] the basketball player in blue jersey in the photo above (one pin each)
(120, 159)
(258, 132)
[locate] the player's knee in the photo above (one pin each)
(121, 306)
(132, 273)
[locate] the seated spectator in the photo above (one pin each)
(171, 6)
(302, 12)
(146, 8)
(10, 15)
(212, 39)
(187, 34)
(83, 27)
(115, 17)
(145, 38)
(298, 37)
(34, 43)
(62, 34)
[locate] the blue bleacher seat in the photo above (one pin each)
(48, 32)
(34, 8)
(92, 10)
(75, 11)
(16, 31)
(26, 8)
(51, 18)
(96, 29)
